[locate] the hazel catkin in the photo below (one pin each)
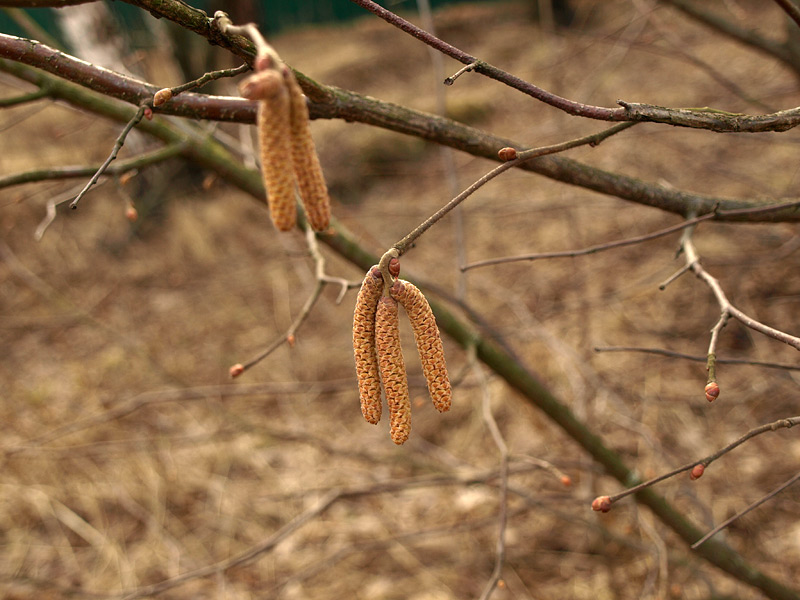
(274, 137)
(392, 368)
(307, 170)
(429, 342)
(369, 386)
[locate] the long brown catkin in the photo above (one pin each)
(369, 386)
(393, 369)
(429, 342)
(274, 138)
(307, 170)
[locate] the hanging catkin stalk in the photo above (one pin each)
(429, 342)
(274, 138)
(307, 170)
(393, 369)
(369, 385)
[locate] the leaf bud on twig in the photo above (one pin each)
(712, 391)
(697, 472)
(601, 504)
(162, 96)
(507, 154)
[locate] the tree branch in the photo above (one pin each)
(329, 102)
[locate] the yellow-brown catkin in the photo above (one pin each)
(369, 384)
(429, 343)
(393, 369)
(275, 146)
(307, 170)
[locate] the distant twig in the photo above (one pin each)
(123, 166)
(723, 361)
(791, 9)
(592, 140)
(693, 261)
(774, 426)
(117, 147)
(703, 118)
(24, 98)
(321, 280)
(753, 506)
(633, 240)
(497, 437)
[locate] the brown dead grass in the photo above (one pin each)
(100, 319)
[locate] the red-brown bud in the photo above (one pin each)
(507, 154)
(697, 472)
(162, 96)
(148, 113)
(236, 370)
(566, 480)
(601, 504)
(131, 213)
(394, 267)
(712, 391)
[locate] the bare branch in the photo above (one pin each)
(693, 261)
(774, 426)
(734, 31)
(721, 361)
(117, 147)
(791, 9)
(329, 102)
(123, 166)
(753, 506)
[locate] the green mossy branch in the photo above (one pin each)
(208, 153)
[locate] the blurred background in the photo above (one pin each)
(129, 457)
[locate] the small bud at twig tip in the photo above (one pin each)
(566, 481)
(131, 213)
(507, 154)
(697, 472)
(290, 339)
(236, 370)
(601, 504)
(712, 391)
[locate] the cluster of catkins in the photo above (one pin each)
(288, 155)
(379, 358)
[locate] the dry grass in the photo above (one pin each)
(100, 320)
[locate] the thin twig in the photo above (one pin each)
(123, 166)
(321, 280)
(465, 69)
(722, 361)
(497, 437)
(592, 140)
(634, 240)
(791, 9)
(693, 260)
(753, 506)
(245, 557)
(774, 426)
(117, 147)
(207, 77)
(24, 98)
